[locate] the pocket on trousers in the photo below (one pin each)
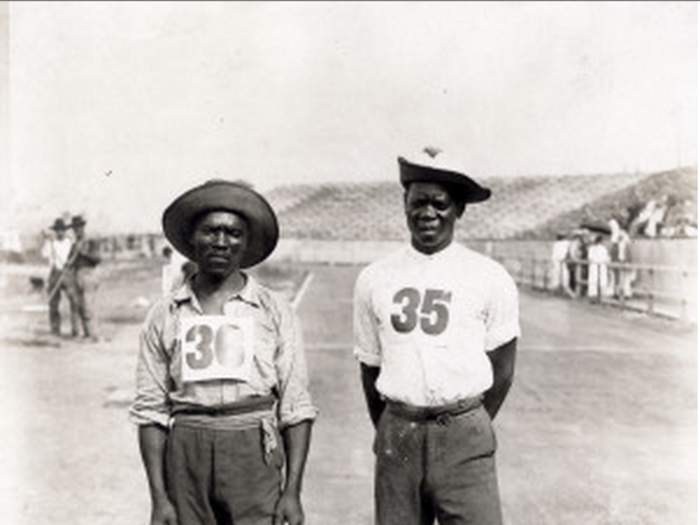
(477, 437)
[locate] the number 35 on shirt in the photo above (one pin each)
(216, 347)
(428, 310)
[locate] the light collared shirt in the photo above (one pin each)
(428, 322)
(173, 346)
(57, 252)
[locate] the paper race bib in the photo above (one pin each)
(216, 347)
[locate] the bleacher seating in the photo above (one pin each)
(521, 208)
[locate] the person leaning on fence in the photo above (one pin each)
(622, 278)
(221, 386)
(57, 249)
(576, 263)
(435, 330)
(560, 272)
(85, 256)
(598, 261)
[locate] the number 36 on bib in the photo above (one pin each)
(216, 347)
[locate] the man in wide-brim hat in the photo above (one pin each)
(85, 257)
(222, 383)
(218, 195)
(435, 329)
(57, 250)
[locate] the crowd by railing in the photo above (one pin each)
(669, 291)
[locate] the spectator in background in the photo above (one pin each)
(176, 270)
(560, 271)
(86, 256)
(656, 220)
(639, 221)
(598, 259)
(576, 263)
(680, 219)
(620, 254)
(650, 219)
(57, 249)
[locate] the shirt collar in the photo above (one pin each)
(248, 294)
(420, 256)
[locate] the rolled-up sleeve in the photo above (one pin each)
(366, 346)
(151, 403)
(295, 402)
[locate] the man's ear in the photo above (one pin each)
(461, 206)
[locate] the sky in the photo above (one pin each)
(117, 107)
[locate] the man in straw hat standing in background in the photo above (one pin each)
(222, 398)
(57, 249)
(85, 256)
(435, 332)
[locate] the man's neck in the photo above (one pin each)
(430, 250)
(208, 285)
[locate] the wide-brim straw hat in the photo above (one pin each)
(59, 225)
(78, 221)
(432, 166)
(223, 195)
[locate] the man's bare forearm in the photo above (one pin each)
(375, 403)
(503, 364)
(297, 439)
(152, 442)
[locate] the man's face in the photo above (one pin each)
(60, 234)
(220, 239)
(431, 214)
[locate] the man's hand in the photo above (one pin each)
(296, 446)
(289, 511)
(163, 513)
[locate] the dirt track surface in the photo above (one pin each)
(600, 426)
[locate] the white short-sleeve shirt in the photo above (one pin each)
(429, 320)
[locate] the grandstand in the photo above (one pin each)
(532, 208)
(521, 208)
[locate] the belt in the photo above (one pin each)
(440, 414)
(253, 412)
(244, 406)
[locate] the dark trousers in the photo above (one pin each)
(85, 285)
(63, 288)
(442, 469)
(221, 477)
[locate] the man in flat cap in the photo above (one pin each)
(222, 399)
(435, 329)
(57, 250)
